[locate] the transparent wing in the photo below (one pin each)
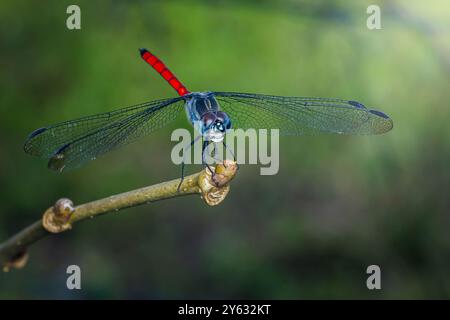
(297, 115)
(72, 143)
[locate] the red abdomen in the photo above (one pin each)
(161, 68)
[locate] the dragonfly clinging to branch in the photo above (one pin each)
(70, 144)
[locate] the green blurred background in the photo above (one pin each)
(338, 204)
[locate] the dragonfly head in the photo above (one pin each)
(215, 125)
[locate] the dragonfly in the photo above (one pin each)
(70, 144)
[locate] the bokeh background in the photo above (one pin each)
(338, 204)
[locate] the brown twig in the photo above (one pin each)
(63, 214)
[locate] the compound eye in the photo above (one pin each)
(221, 116)
(208, 119)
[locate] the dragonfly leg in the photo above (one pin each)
(214, 156)
(231, 152)
(182, 177)
(183, 163)
(204, 148)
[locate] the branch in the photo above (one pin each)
(63, 214)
